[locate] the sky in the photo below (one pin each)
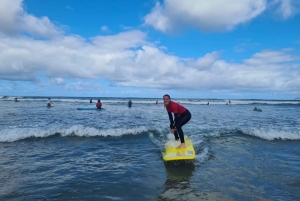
(145, 48)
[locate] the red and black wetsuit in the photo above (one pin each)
(98, 105)
(181, 117)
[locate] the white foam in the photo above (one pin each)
(271, 134)
(203, 155)
(11, 135)
(172, 143)
(153, 101)
(15, 134)
(170, 136)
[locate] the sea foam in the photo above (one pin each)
(15, 134)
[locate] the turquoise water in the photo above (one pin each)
(61, 153)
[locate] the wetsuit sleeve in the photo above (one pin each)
(176, 118)
(171, 119)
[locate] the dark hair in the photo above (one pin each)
(167, 95)
(99, 100)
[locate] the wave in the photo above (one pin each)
(153, 101)
(265, 134)
(271, 134)
(12, 135)
(15, 134)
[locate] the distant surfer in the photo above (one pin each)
(91, 101)
(156, 102)
(181, 117)
(129, 103)
(207, 103)
(49, 102)
(256, 109)
(16, 99)
(99, 104)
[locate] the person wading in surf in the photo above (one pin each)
(181, 117)
(99, 104)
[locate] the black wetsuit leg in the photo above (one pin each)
(182, 120)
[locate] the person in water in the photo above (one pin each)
(91, 101)
(129, 103)
(99, 104)
(16, 99)
(181, 117)
(49, 102)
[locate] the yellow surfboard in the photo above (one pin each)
(173, 154)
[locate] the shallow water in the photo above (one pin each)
(61, 153)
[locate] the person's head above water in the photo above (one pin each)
(99, 100)
(167, 99)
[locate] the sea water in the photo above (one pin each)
(61, 153)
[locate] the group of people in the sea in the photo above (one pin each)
(178, 115)
(98, 104)
(227, 103)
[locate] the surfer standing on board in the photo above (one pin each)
(181, 117)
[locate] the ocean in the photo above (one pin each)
(61, 153)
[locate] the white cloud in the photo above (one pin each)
(104, 28)
(10, 16)
(286, 8)
(214, 15)
(83, 86)
(69, 8)
(129, 59)
(13, 20)
(205, 15)
(57, 81)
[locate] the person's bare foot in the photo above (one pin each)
(181, 146)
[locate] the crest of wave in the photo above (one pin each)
(80, 130)
(15, 134)
(272, 134)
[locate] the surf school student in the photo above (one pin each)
(49, 102)
(129, 103)
(181, 117)
(256, 109)
(99, 104)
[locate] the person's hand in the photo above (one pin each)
(173, 130)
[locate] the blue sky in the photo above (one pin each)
(145, 48)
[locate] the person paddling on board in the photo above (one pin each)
(99, 104)
(181, 117)
(49, 102)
